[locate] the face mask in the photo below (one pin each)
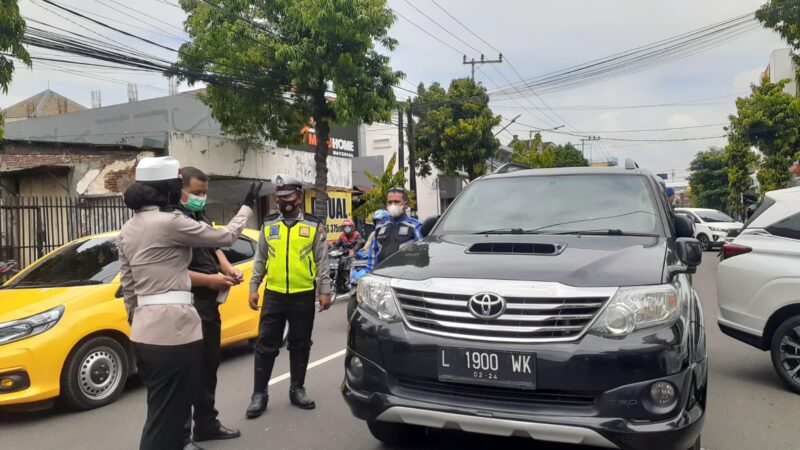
(286, 207)
(195, 203)
(395, 210)
(348, 230)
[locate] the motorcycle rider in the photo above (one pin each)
(378, 217)
(350, 239)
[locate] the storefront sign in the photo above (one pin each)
(340, 207)
(342, 141)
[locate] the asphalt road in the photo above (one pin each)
(748, 407)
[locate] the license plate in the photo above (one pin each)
(490, 367)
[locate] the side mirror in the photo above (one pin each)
(689, 252)
(428, 225)
(684, 227)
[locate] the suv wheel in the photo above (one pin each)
(785, 351)
(95, 374)
(396, 434)
(705, 242)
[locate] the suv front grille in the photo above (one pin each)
(497, 394)
(534, 319)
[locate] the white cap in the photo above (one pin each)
(157, 168)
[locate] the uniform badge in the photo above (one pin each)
(274, 232)
(403, 231)
(305, 231)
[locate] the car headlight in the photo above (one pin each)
(716, 229)
(634, 308)
(30, 326)
(375, 295)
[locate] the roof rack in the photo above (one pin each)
(630, 164)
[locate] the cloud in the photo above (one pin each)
(742, 81)
(682, 120)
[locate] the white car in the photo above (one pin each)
(710, 226)
(758, 283)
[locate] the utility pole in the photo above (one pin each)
(482, 61)
(401, 151)
(412, 173)
(583, 142)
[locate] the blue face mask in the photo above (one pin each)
(195, 203)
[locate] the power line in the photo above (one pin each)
(443, 28)
(428, 32)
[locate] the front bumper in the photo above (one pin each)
(585, 394)
(40, 358)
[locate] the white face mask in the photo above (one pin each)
(348, 230)
(395, 210)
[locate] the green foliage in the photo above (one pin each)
(709, 180)
(533, 154)
(569, 156)
(376, 198)
(769, 120)
(740, 161)
(12, 28)
(300, 49)
(783, 17)
(454, 135)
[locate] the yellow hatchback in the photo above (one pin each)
(63, 327)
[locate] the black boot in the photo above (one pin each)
(298, 363)
(262, 371)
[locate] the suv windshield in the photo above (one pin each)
(713, 216)
(554, 204)
(92, 261)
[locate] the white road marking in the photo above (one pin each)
(316, 363)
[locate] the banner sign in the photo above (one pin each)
(340, 207)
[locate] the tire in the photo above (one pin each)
(95, 374)
(696, 445)
(397, 434)
(705, 242)
(786, 343)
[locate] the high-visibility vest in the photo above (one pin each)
(290, 263)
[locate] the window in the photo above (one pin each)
(555, 204)
(91, 261)
(788, 227)
(242, 250)
(714, 216)
(765, 205)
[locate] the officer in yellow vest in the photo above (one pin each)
(293, 256)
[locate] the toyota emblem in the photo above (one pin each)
(486, 306)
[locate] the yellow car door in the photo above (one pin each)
(239, 322)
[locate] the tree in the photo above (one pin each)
(12, 29)
(375, 199)
(769, 119)
(454, 131)
(709, 180)
(782, 16)
(285, 56)
(569, 156)
(740, 161)
(533, 154)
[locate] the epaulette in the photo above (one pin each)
(312, 218)
(271, 217)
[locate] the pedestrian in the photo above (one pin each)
(155, 248)
(293, 257)
(212, 276)
(398, 231)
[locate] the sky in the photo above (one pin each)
(536, 36)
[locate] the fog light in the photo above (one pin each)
(662, 393)
(355, 370)
(7, 383)
(12, 382)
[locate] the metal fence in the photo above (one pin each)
(32, 226)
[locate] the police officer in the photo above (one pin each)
(293, 256)
(155, 248)
(398, 231)
(212, 277)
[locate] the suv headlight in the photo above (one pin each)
(30, 326)
(716, 229)
(634, 308)
(375, 295)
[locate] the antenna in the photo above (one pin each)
(97, 100)
(133, 93)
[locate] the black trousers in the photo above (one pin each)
(205, 412)
(169, 373)
(298, 310)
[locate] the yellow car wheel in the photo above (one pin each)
(95, 374)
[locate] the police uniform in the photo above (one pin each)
(155, 247)
(392, 235)
(293, 258)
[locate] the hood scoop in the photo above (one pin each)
(516, 248)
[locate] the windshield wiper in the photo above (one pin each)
(506, 230)
(606, 232)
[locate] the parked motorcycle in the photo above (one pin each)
(358, 268)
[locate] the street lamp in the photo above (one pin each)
(530, 133)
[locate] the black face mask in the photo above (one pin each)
(287, 207)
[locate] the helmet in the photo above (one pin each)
(348, 223)
(379, 216)
(669, 191)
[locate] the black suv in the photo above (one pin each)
(553, 303)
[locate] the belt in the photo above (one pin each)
(167, 298)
